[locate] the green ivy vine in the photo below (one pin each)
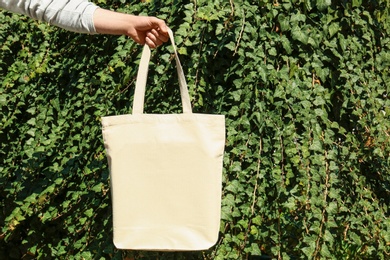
(304, 87)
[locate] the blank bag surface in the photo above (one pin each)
(166, 173)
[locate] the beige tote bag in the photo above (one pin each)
(166, 173)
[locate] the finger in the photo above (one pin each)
(139, 37)
(159, 35)
(150, 43)
(160, 24)
(154, 39)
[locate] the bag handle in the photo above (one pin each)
(142, 75)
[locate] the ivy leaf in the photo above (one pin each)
(299, 35)
(323, 4)
(333, 29)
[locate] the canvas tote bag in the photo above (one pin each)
(166, 172)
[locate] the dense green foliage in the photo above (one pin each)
(304, 86)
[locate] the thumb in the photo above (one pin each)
(159, 24)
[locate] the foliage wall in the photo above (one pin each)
(304, 86)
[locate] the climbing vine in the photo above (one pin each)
(304, 88)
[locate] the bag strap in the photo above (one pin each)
(142, 75)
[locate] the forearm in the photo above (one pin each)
(109, 22)
(85, 17)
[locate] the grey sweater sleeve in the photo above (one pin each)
(72, 15)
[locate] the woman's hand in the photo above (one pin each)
(142, 29)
